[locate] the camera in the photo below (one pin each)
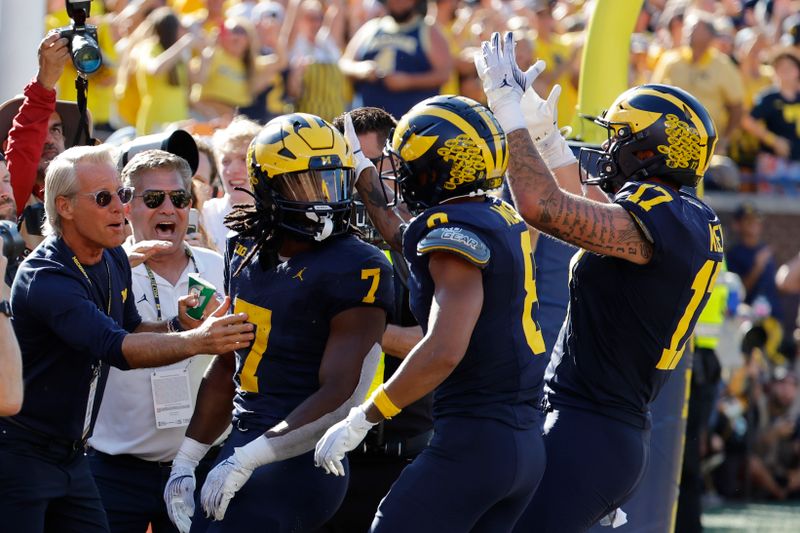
(13, 245)
(83, 47)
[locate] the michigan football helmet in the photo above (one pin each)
(446, 147)
(654, 131)
(302, 170)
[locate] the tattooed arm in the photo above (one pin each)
(603, 228)
(387, 220)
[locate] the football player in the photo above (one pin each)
(472, 288)
(649, 260)
(318, 297)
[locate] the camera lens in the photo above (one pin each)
(13, 245)
(85, 54)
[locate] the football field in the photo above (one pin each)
(753, 518)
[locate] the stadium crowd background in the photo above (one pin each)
(198, 64)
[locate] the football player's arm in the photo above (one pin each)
(457, 301)
(603, 228)
(399, 340)
(386, 219)
(212, 413)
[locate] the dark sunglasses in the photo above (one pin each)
(103, 198)
(154, 198)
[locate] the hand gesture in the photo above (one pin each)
(53, 56)
(503, 81)
(141, 251)
(221, 333)
(340, 439)
(362, 162)
(541, 116)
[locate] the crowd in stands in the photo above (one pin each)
(198, 63)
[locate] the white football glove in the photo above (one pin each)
(503, 81)
(179, 490)
(340, 439)
(362, 161)
(541, 119)
(225, 479)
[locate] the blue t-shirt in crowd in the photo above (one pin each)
(500, 376)
(292, 306)
(628, 324)
(740, 259)
(70, 328)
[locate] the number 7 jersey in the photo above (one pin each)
(628, 325)
(291, 306)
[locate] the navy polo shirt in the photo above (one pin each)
(70, 322)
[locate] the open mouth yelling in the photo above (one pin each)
(165, 230)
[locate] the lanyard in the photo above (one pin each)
(154, 285)
(108, 273)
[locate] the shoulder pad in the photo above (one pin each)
(459, 241)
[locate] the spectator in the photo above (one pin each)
(205, 180)
(563, 62)
(10, 358)
(270, 96)
(74, 315)
(8, 208)
(137, 434)
(774, 119)
(775, 464)
(226, 72)
(397, 60)
(35, 127)
(230, 152)
(162, 72)
(751, 258)
(711, 77)
(315, 81)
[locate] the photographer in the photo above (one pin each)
(34, 124)
(10, 359)
(74, 316)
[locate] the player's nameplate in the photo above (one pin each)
(172, 397)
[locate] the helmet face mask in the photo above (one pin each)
(654, 131)
(302, 168)
(445, 147)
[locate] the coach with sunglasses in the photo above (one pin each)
(138, 431)
(74, 315)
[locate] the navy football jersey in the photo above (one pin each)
(628, 324)
(292, 306)
(504, 364)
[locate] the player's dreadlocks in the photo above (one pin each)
(257, 222)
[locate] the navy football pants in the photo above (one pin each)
(132, 490)
(45, 487)
(476, 475)
(288, 496)
(594, 464)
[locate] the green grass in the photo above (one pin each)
(753, 517)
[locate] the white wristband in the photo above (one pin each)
(362, 163)
(191, 452)
(555, 151)
(508, 113)
(257, 453)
